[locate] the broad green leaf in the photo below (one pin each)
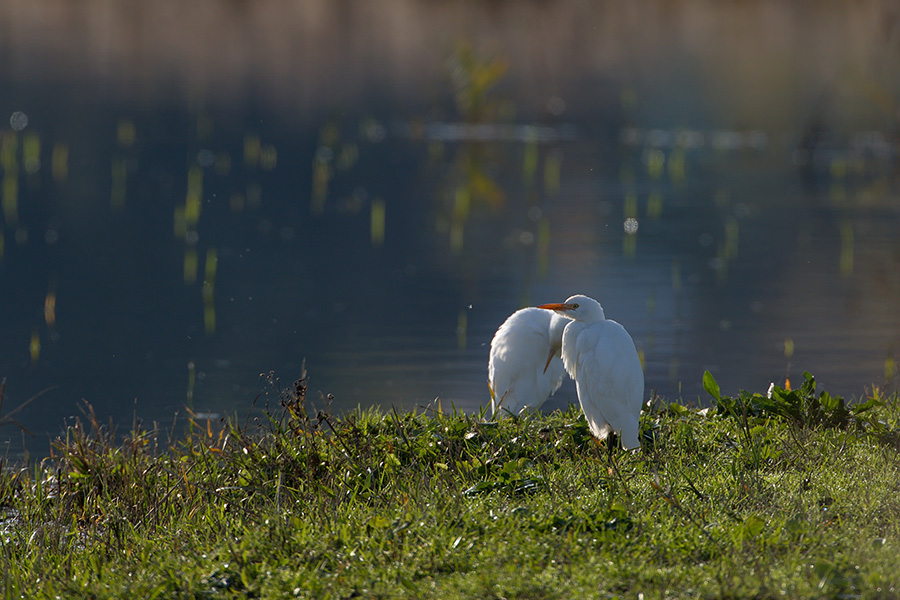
(710, 385)
(870, 403)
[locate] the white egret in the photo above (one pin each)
(525, 366)
(601, 357)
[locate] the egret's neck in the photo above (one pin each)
(557, 326)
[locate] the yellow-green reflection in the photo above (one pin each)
(629, 245)
(461, 204)
(320, 179)
(674, 365)
(348, 156)
(9, 144)
(31, 153)
(721, 263)
(50, 307)
(192, 381)
(59, 161)
(126, 133)
(838, 168)
(655, 161)
(677, 169)
(236, 202)
(268, 157)
(473, 78)
(731, 239)
(654, 206)
(552, 170)
(193, 200)
(469, 182)
(209, 283)
(252, 149)
(629, 207)
(190, 265)
(530, 162)
(788, 347)
(34, 346)
(676, 276)
(329, 135)
(377, 228)
(462, 326)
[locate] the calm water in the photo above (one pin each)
(182, 214)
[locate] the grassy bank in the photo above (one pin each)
(794, 495)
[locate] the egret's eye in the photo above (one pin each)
(574, 306)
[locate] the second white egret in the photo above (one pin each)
(601, 357)
(525, 365)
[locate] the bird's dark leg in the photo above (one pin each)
(612, 440)
(608, 443)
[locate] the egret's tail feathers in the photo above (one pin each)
(628, 433)
(629, 436)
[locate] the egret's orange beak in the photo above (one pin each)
(549, 358)
(562, 306)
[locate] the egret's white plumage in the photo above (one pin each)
(601, 357)
(524, 366)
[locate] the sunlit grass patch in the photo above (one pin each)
(748, 498)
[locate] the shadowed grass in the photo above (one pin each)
(730, 502)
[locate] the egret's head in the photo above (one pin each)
(578, 308)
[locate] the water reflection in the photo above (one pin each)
(161, 251)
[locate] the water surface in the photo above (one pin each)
(202, 197)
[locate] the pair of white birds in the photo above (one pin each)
(535, 347)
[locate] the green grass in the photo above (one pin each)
(794, 495)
